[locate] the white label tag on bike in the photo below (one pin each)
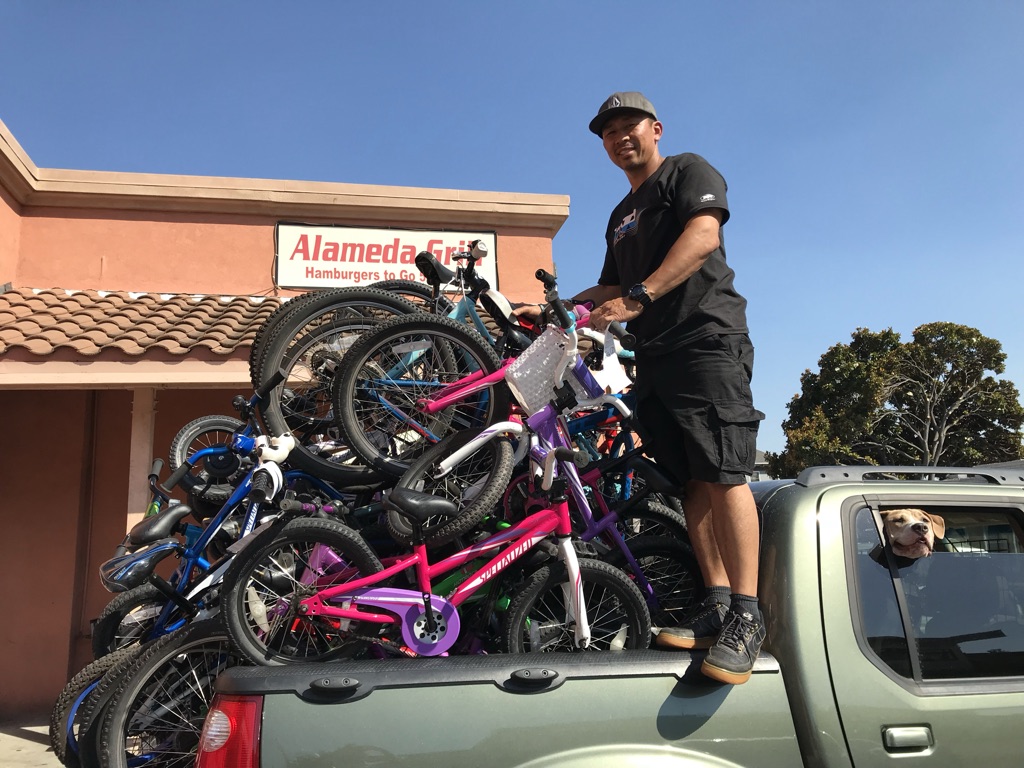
(612, 376)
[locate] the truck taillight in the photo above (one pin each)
(231, 733)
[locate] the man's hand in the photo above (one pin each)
(531, 312)
(620, 309)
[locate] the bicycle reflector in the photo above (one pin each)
(231, 733)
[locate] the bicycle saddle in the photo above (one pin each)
(158, 527)
(418, 506)
(436, 273)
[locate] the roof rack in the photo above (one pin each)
(826, 475)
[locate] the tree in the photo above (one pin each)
(926, 402)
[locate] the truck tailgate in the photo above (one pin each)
(648, 708)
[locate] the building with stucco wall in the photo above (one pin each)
(128, 304)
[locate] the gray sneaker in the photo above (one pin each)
(732, 657)
(698, 630)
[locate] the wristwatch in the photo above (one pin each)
(638, 293)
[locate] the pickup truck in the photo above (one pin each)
(870, 660)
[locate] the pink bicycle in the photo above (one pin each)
(312, 589)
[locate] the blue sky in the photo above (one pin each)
(873, 150)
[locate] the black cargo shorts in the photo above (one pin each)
(695, 410)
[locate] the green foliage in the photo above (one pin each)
(927, 402)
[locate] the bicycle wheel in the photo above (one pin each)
(420, 294)
(214, 477)
(126, 619)
(279, 568)
(156, 714)
(475, 484)
(64, 718)
(652, 518)
(673, 572)
(406, 359)
(540, 617)
(304, 314)
(84, 738)
(302, 405)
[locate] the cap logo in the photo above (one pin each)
(707, 198)
(615, 102)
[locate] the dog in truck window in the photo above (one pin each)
(912, 532)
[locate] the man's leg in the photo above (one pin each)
(736, 533)
(734, 514)
(701, 626)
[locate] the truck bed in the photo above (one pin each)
(650, 708)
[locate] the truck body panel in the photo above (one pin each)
(869, 658)
(598, 707)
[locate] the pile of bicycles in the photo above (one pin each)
(408, 479)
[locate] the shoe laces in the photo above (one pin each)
(738, 630)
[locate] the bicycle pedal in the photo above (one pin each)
(585, 549)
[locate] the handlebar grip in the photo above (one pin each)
(261, 486)
(294, 505)
(626, 339)
(579, 458)
(547, 278)
(276, 378)
(174, 479)
(156, 469)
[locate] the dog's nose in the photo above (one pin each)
(920, 527)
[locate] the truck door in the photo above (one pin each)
(926, 655)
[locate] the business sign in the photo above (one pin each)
(316, 256)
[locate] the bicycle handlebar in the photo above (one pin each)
(565, 320)
(626, 339)
(262, 486)
(579, 458)
(175, 478)
(276, 378)
(306, 507)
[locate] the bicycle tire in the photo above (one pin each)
(381, 377)
(302, 405)
(671, 568)
(538, 619)
(158, 709)
(93, 709)
(649, 517)
(307, 312)
(126, 619)
(65, 706)
(264, 575)
(420, 294)
(215, 477)
(476, 485)
(259, 342)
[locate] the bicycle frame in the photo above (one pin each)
(196, 574)
(359, 598)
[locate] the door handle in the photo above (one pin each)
(907, 737)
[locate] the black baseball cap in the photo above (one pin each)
(617, 103)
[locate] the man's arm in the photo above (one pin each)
(699, 239)
(597, 294)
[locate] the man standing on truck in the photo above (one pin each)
(665, 274)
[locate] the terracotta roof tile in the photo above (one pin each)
(89, 322)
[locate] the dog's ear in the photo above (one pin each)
(938, 526)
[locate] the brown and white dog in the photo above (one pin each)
(912, 532)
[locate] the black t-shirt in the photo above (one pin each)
(642, 229)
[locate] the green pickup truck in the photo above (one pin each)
(871, 659)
